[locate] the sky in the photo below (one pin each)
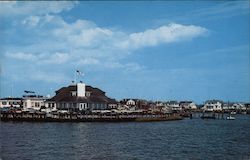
(154, 50)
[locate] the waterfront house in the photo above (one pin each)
(174, 106)
(187, 105)
(10, 102)
(135, 104)
(212, 105)
(129, 102)
(112, 104)
(81, 97)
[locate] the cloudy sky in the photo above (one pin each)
(152, 50)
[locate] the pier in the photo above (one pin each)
(78, 117)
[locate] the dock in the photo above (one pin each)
(77, 117)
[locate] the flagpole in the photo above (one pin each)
(75, 76)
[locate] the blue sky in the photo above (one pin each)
(156, 50)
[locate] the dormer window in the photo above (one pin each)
(73, 93)
(88, 94)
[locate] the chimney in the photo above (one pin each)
(80, 87)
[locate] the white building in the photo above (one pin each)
(11, 102)
(188, 105)
(174, 106)
(49, 106)
(213, 105)
(33, 102)
(131, 102)
(239, 106)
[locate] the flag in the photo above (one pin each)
(29, 91)
(79, 73)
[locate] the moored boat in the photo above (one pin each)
(230, 117)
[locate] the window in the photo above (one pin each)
(88, 94)
(37, 104)
(4, 103)
(73, 93)
(85, 106)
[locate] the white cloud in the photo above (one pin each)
(84, 43)
(86, 34)
(90, 36)
(164, 34)
(82, 33)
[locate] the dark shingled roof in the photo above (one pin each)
(96, 95)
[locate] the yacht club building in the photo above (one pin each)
(80, 97)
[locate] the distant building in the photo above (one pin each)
(135, 104)
(234, 106)
(35, 102)
(227, 106)
(213, 105)
(247, 106)
(174, 106)
(11, 102)
(239, 106)
(112, 104)
(187, 105)
(80, 97)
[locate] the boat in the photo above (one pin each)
(230, 117)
